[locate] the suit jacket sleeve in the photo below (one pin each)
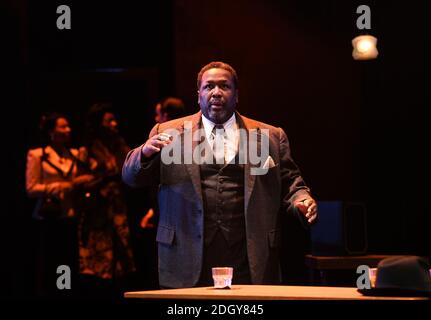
(139, 171)
(34, 184)
(33, 175)
(293, 185)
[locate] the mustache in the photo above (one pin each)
(217, 101)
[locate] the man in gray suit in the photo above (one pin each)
(222, 206)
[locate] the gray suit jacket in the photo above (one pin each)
(180, 230)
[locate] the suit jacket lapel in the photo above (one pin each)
(249, 179)
(193, 168)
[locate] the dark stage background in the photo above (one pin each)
(357, 129)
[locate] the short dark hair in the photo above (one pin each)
(47, 123)
(218, 65)
(174, 107)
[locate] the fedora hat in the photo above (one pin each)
(401, 276)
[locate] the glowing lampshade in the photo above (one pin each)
(364, 47)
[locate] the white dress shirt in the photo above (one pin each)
(231, 138)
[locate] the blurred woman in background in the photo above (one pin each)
(53, 177)
(105, 252)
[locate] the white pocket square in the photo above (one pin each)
(269, 163)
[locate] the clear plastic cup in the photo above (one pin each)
(222, 277)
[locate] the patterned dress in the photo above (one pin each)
(104, 238)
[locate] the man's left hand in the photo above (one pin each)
(308, 208)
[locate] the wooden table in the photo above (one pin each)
(258, 292)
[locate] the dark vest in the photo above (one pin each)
(223, 197)
(224, 220)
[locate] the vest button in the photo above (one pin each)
(218, 221)
(220, 190)
(220, 180)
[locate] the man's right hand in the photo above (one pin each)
(155, 144)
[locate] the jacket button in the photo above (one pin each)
(220, 190)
